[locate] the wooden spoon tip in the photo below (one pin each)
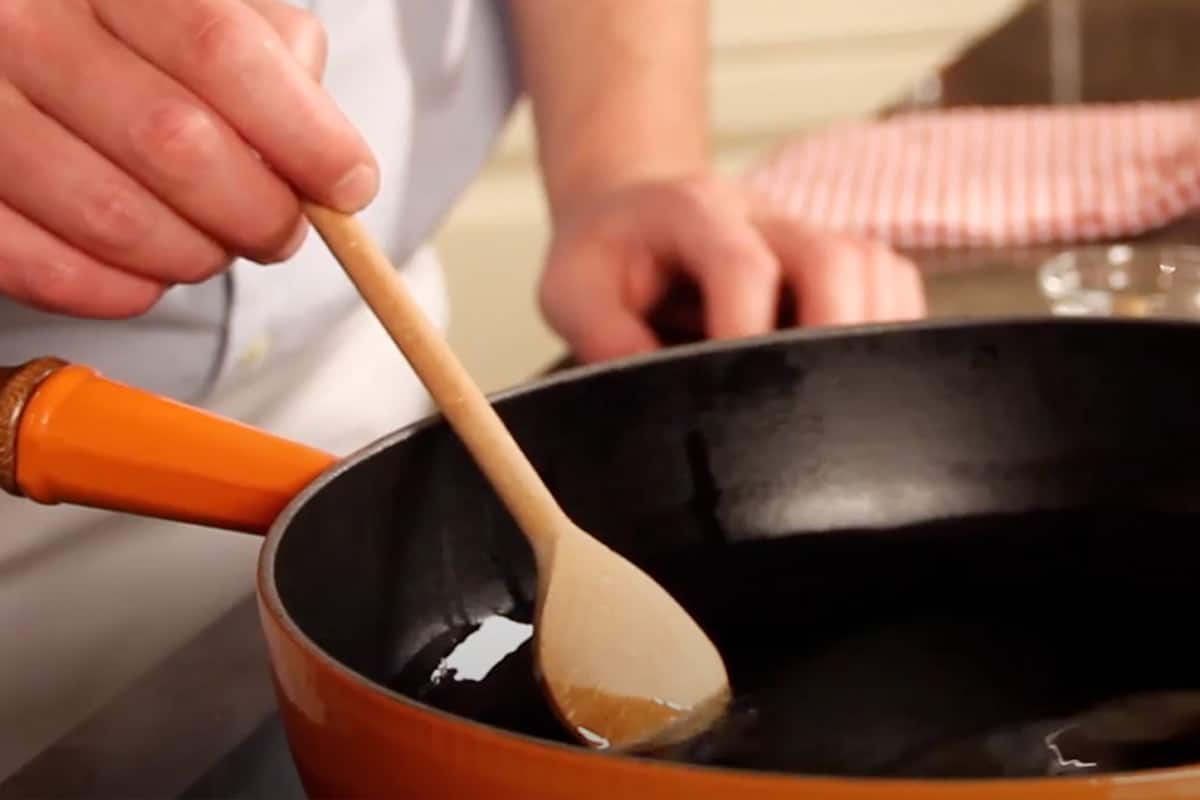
(622, 662)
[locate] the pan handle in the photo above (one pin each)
(69, 435)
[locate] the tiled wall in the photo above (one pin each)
(780, 67)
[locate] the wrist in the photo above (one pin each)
(585, 187)
(593, 176)
(590, 155)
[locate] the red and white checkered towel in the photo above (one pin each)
(1007, 176)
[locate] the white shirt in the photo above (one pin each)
(429, 83)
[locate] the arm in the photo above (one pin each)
(619, 99)
(618, 90)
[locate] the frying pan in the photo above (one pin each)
(911, 542)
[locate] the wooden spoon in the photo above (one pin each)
(623, 664)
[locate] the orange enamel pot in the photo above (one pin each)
(805, 486)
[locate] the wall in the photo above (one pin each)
(780, 67)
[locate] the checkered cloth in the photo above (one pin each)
(993, 176)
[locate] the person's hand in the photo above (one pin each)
(146, 143)
(615, 257)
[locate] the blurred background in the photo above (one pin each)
(780, 67)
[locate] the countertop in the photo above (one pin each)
(157, 738)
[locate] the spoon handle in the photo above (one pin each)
(461, 401)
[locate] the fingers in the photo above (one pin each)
(608, 271)
(159, 133)
(909, 291)
(707, 230)
(230, 57)
(839, 280)
(41, 271)
(615, 263)
(147, 141)
(57, 181)
(300, 31)
(892, 285)
(834, 282)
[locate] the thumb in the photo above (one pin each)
(301, 32)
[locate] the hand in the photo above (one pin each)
(146, 143)
(616, 257)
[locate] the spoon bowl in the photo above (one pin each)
(631, 672)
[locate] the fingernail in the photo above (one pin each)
(356, 189)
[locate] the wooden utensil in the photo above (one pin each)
(621, 661)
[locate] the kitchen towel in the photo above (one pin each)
(983, 177)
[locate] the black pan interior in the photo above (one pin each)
(924, 550)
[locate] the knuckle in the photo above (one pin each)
(49, 283)
(759, 271)
(308, 25)
(213, 35)
(746, 259)
(15, 19)
(744, 251)
(879, 253)
(903, 266)
(55, 284)
(112, 218)
(696, 190)
(177, 139)
(305, 35)
(842, 254)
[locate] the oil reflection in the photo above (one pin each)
(474, 658)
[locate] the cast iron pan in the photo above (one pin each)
(926, 553)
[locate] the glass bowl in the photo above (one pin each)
(1124, 280)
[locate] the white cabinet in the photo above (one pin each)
(779, 67)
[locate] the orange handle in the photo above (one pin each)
(69, 435)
